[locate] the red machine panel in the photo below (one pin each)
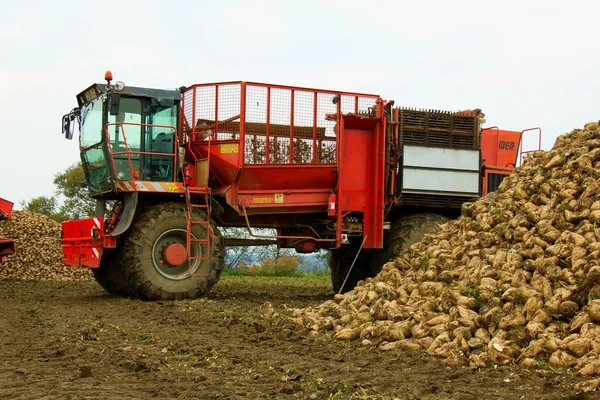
(361, 174)
(269, 146)
(83, 242)
(7, 246)
(500, 148)
(5, 209)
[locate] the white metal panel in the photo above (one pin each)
(433, 157)
(427, 180)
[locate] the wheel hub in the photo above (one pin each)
(170, 258)
(174, 254)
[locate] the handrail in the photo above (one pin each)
(521, 152)
(129, 152)
(275, 86)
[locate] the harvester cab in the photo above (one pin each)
(126, 133)
(7, 246)
(343, 171)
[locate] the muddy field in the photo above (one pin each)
(69, 340)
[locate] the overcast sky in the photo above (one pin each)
(524, 63)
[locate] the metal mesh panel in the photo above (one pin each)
(433, 201)
(228, 110)
(188, 106)
(282, 125)
(326, 146)
(439, 129)
(256, 119)
(364, 103)
(305, 128)
(204, 113)
(212, 104)
(349, 104)
(279, 122)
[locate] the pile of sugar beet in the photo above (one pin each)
(39, 254)
(514, 280)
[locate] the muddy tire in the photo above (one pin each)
(339, 263)
(110, 275)
(405, 232)
(151, 274)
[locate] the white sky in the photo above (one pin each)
(524, 63)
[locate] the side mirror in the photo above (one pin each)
(115, 100)
(68, 126)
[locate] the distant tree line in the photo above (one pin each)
(70, 200)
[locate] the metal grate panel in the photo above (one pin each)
(282, 124)
(439, 129)
(434, 201)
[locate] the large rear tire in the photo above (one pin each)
(339, 263)
(110, 275)
(151, 273)
(405, 232)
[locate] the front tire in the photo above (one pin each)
(110, 274)
(148, 271)
(404, 232)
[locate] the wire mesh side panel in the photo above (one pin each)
(256, 117)
(326, 145)
(282, 124)
(305, 129)
(227, 124)
(187, 100)
(279, 125)
(213, 109)
(290, 125)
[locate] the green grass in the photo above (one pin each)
(282, 274)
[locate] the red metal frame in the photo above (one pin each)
(301, 183)
(5, 209)
(7, 246)
(83, 242)
(490, 147)
(493, 170)
(521, 152)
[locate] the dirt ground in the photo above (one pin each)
(69, 340)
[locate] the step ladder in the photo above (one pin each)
(206, 244)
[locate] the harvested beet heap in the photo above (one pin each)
(39, 255)
(514, 280)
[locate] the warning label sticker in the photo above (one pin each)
(229, 148)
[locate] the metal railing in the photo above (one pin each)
(128, 152)
(275, 124)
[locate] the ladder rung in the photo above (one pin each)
(204, 204)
